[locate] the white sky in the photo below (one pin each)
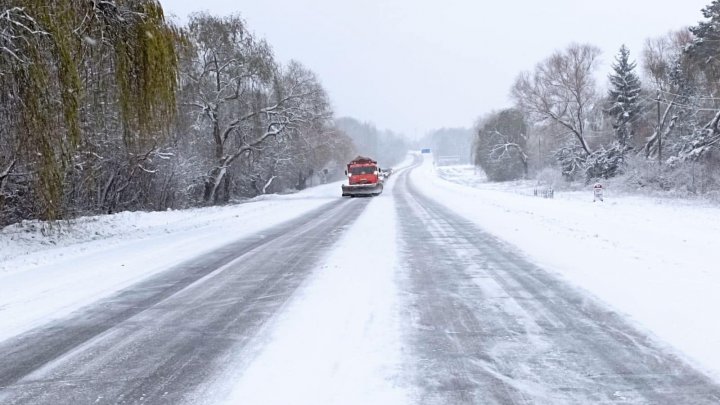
(415, 65)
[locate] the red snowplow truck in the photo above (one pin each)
(363, 178)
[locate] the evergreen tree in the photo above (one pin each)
(623, 107)
(704, 49)
(623, 96)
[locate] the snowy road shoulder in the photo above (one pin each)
(338, 340)
(654, 262)
(46, 278)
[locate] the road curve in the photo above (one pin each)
(156, 341)
(482, 324)
(485, 326)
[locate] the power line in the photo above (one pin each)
(680, 95)
(675, 104)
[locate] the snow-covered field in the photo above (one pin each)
(44, 276)
(654, 260)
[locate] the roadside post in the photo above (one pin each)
(597, 192)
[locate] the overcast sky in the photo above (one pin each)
(415, 65)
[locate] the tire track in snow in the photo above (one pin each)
(486, 326)
(157, 340)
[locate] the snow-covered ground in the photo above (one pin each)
(338, 340)
(654, 260)
(44, 276)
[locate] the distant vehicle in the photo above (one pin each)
(427, 150)
(364, 178)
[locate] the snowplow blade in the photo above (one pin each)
(362, 190)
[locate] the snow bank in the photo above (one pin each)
(19, 241)
(44, 276)
(654, 260)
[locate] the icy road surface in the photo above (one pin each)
(389, 300)
(487, 326)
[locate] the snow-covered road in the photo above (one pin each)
(401, 299)
(489, 326)
(155, 341)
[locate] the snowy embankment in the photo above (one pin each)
(46, 276)
(656, 261)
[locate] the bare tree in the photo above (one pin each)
(661, 54)
(225, 73)
(89, 121)
(561, 89)
(661, 60)
(296, 120)
(241, 97)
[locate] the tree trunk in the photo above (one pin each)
(659, 140)
(212, 183)
(302, 181)
(227, 182)
(267, 184)
(217, 138)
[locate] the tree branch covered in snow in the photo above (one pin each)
(5, 173)
(242, 99)
(109, 107)
(17, 29)
(561, 89)
(670, 119)
(500, 145)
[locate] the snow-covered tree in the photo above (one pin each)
(561, 89)
(624, 97)
(703, 53)
(623, 108)
(665, 65)
(705, 49)
(76, 77)
(106, 106)
(500, 145)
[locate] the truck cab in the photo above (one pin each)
(363, 178)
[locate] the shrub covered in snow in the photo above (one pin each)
(551, 177)
(696, 178)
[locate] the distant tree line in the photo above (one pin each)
(658, 124)
(106, 106)
(387, 147)
(449, 145)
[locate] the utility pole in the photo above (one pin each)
(540, 162)
(659, 133)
